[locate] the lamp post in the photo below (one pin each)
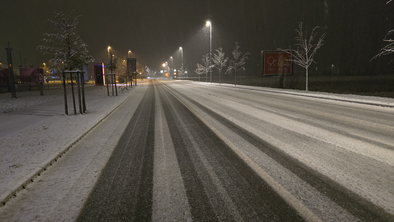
(109, 47)
(129, 54)
(181, 49)
(208, 23)
(172, 64)
(332, 71)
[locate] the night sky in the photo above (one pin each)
(154, 30)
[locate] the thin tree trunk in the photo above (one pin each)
(219, 76)
(306, 82)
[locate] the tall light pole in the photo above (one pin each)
(109, 47)
(171, 64)
(181, 49)
(129, 54)
(208, 23)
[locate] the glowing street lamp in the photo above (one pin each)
(109, 47)
(208, 23)
(181, 49)
(129, 54)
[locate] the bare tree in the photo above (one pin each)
(181, 72)
(65, 45)
(219, 60)
(305, 49)
(239, 61)
(205, 67)
(389, 48)
(198, 72)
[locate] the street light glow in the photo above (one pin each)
(209, 24)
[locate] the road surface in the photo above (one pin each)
(181, 151)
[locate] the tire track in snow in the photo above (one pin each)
(124, 189)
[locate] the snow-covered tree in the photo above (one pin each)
(65, 45)
(389, 48)
(205, 67)
(219, 60)
(112, 64)
(306, 49)
(239, 61)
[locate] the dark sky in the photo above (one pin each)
(154, 30)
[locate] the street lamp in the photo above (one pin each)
(129, 54)
(172, 63)
(208, 23)
(181, 49)
(109, 47)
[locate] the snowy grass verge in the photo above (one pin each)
(368, 100)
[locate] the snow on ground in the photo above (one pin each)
(32, 146)
(363, 167)
(373, 100)
(27, 99)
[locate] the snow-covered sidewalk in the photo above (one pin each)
(34, 130)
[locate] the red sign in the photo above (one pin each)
(277, 63)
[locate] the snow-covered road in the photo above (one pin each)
(350, 144)
(329, 160)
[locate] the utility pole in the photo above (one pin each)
(11, 72)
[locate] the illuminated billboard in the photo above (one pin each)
(276, 63)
